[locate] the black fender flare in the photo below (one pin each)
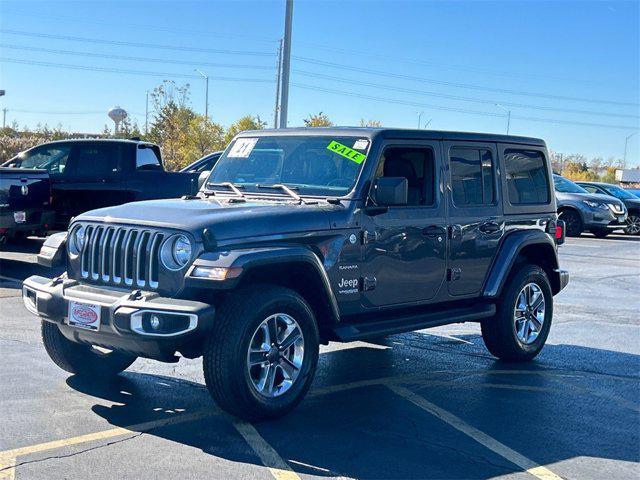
(53, 252)
(508, 252)
(244, 261)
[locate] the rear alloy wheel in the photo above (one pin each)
(633, 225)
(572, 221)
(524, 311)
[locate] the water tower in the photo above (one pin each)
(117, 114)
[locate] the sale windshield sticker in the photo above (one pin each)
(242, 147)
(346, 152)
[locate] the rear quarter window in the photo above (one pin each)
(526, 175)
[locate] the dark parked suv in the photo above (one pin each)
(581, 210)
(304, 236)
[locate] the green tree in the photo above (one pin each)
(318, 120)
(248, 122)
(200, 138)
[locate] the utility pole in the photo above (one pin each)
(508, 115)
(206, 95)
(626, 142)
(419, 119)
(278, 75)
(146, 115)
(286, 64)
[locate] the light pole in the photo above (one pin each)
(206, 94)
(626, 142)
(286, 63)
(508, 115)
(419, 119)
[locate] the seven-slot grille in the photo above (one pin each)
(121, 255)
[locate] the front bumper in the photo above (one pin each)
(121, 313)
(605, 219)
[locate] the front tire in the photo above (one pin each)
(633, 224)
(572, 221)
(260, 358)
(82, 359)
(600, 233)
(521, 325)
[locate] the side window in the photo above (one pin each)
(147, 159)
(416, 164)
(472, 176)
(590, 188)
(526, 177)
(97, 159)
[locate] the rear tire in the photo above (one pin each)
(82, 359)
(239, 334)
(572, 221)
(600, 233)
(502, 333)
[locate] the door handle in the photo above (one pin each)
(489, 227)
(433, 231)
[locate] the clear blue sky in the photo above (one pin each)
(574, 66)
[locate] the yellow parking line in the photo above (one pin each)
(8, 458)
(491, 443)
(269, 457)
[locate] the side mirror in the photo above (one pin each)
(203, 178)
(388, 191)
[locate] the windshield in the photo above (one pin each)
(310, 165)
(620, 193)
(566, 186)
(52, 158)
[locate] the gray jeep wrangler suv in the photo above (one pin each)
(304, 236)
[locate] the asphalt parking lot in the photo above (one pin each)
(431, 404)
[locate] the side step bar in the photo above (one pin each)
(348, 332)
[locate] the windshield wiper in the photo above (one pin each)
(288, 190)
(234, 188)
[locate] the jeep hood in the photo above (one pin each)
(225, 220)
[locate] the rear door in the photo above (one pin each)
(94, 178)
(475, 214)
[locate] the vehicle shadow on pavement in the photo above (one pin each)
(574, 402)
(550, 410)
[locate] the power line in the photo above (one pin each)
(453, 109)
(457, 85)
(457, 97)
(129, 71)
(136, 59)
(136, 44)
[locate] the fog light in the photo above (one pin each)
(154, 322)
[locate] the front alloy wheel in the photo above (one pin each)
(275, 355)
(633, 225)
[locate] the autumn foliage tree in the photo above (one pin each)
(318, 120)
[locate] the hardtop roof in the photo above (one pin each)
(397, 133)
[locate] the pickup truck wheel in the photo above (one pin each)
(521, 325)
(261, 356)
(82, 359)
(572, 221)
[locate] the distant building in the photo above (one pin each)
(628, 175)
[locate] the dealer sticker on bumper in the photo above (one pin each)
(19, 217)
(84, 315)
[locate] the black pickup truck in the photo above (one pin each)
(25, 202)
(96, 173)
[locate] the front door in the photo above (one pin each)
(475, 214)
(404, 251)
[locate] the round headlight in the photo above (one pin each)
(79, 238)
(181, 250)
